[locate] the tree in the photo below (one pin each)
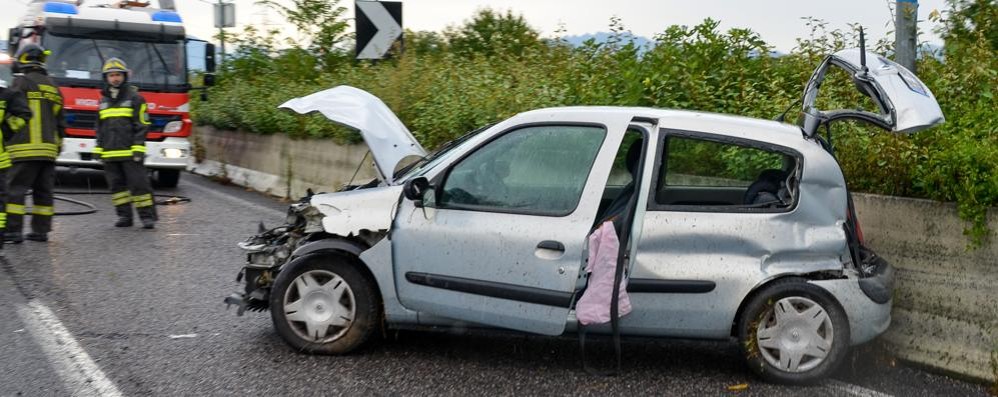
(320, 24)
(969, 19)
(491, 33)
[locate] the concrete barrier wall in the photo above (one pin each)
(946, 297)
(265, 162)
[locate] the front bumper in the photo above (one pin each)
(256, 294)
(78, 152)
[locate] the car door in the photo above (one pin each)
(905, 104)
(500, 239)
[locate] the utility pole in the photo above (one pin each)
(906, 33)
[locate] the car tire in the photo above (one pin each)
(167, 178)
(326, 323)
(793, 332)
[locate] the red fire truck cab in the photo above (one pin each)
(151, 41)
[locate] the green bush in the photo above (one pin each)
(453, 82)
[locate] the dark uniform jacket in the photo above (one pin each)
(122, 125)
(14, 115)
(43, 135)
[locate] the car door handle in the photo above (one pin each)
(551, 245)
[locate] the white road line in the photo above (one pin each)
(234, 198)
(81, 376)
(848, 389)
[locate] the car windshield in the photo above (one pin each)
(149, 63)
(430, 160)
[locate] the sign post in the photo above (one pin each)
(225, 17)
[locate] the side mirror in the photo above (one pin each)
(414, 189)
(209, 58)
(13, 37)
(209, 80)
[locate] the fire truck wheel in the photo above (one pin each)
(167, 178)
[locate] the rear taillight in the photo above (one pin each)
(859, 230)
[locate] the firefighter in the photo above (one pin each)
(33, 151)
(121, 136)
(14, 114)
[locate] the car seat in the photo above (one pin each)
(619, 204)
(767, 188)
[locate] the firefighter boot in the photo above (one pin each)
(124, 214)
(147, 211)
(42, 237)
(13, 237)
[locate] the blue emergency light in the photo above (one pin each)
(166, 16)
(60, 8)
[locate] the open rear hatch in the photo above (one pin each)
(905, 104)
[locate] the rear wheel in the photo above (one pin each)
(793, 332)
(167, 178)
(324, 305)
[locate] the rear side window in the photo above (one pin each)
(720, 175)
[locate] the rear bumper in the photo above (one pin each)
(78, 152)
(867, 318)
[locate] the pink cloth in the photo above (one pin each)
(594, 306)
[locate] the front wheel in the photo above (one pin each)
(793, 332)
(324, 305)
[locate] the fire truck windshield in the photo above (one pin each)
(152, 64)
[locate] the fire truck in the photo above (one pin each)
(153, 43)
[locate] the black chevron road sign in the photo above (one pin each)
(379, 27)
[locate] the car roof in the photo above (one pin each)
(714, 123)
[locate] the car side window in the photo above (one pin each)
(721, 176)
(539, 170)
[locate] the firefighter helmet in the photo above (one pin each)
(31, 54)
(114, 64)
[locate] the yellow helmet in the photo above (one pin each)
(31, 55)
(114, 64)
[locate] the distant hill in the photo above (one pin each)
(602, 37)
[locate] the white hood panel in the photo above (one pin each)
(389, 140)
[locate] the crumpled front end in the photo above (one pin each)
(270, 249)
(362, 214)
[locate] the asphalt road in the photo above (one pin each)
(101, 310)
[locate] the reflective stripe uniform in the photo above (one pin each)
(33, 152)
(121, 134)
(14, 114)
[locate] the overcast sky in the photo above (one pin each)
(777, 21)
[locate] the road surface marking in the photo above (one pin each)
(82, 377)
(848, 389)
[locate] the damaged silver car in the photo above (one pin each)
(759, 244)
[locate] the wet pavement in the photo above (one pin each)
(144, 308)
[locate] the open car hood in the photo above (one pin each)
(906, 104)
(384, 133)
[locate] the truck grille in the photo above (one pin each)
(87, 120)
